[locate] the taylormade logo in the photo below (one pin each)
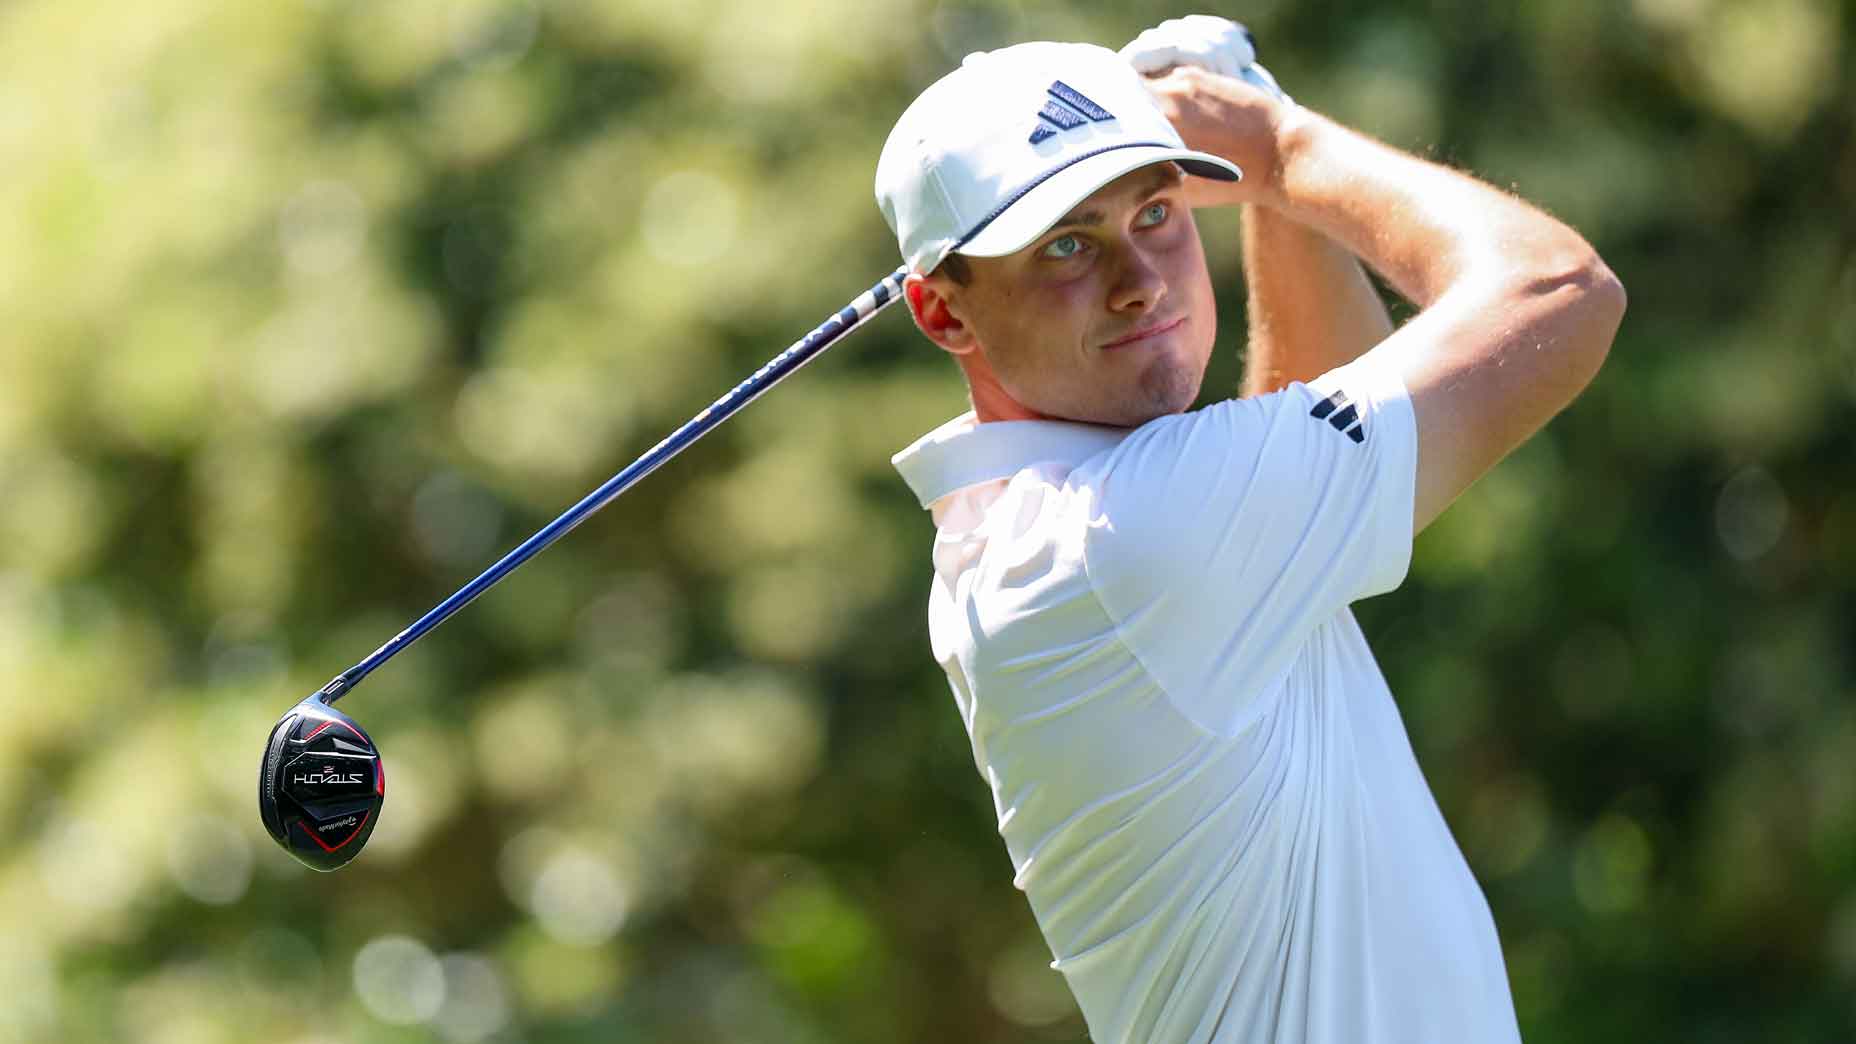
(326, 827)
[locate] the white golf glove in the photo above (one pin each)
(1215, 44)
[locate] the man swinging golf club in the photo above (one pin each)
(1199, 772)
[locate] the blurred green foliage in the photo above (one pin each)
(313, 307)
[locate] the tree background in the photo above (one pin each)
(314, 307)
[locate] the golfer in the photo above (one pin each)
(1199, 773)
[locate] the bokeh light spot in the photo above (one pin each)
(398, 980)
(30, 987)
(82, 865)
(1508, 824)
(688, 218)
(555, 977)
(528, 423)
(494, 35)
(523, 742)
(1750, 514)
(277, 958)
(1612, 866)
(210, 860)
(813, 935)
(322, 228)
(455, 521)
(1767, 63)
(476, 1005)
(578, 898)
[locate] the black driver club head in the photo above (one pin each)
(321, 785)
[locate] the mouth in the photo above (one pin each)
(1145, 334)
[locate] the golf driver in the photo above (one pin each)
(321, 783)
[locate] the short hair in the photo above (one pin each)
(957, 269)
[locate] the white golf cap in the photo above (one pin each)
(992, 154)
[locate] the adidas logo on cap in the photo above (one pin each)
(1066, 110)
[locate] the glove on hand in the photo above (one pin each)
(1215, 44)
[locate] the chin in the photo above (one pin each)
(1162, 389)
(1135, 414)
(1167, 390)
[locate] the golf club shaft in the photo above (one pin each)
(865, 307)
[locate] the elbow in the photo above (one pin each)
(1587, 302)
(1580, 281)
(1615, 300)
(1601, 302)
(1601, 293)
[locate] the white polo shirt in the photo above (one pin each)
(1200, 775)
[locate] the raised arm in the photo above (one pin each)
(1311, 306)
(1518, 311)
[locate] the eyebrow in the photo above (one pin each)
(1166, 177)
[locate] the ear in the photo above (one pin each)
(936, 310)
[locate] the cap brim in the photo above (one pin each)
(1041, 205)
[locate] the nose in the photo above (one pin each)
(1139, 285)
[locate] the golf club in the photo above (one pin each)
(321, 782)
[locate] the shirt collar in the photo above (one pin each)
(963, 451)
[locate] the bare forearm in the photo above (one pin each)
(1311, 306)
(1424, 227)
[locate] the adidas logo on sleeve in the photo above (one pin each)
(1339, 411)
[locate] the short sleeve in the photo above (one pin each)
(1222, 538)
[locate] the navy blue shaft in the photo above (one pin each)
(852, 316)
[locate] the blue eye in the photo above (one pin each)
(1154, 214)
(1064, 247)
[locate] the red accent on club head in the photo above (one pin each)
(380, 777)
(336, 721)
(344, 841)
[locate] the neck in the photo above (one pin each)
(991, 402)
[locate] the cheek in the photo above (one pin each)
(1040, 321)
(1206, 307)
(1191, 276)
